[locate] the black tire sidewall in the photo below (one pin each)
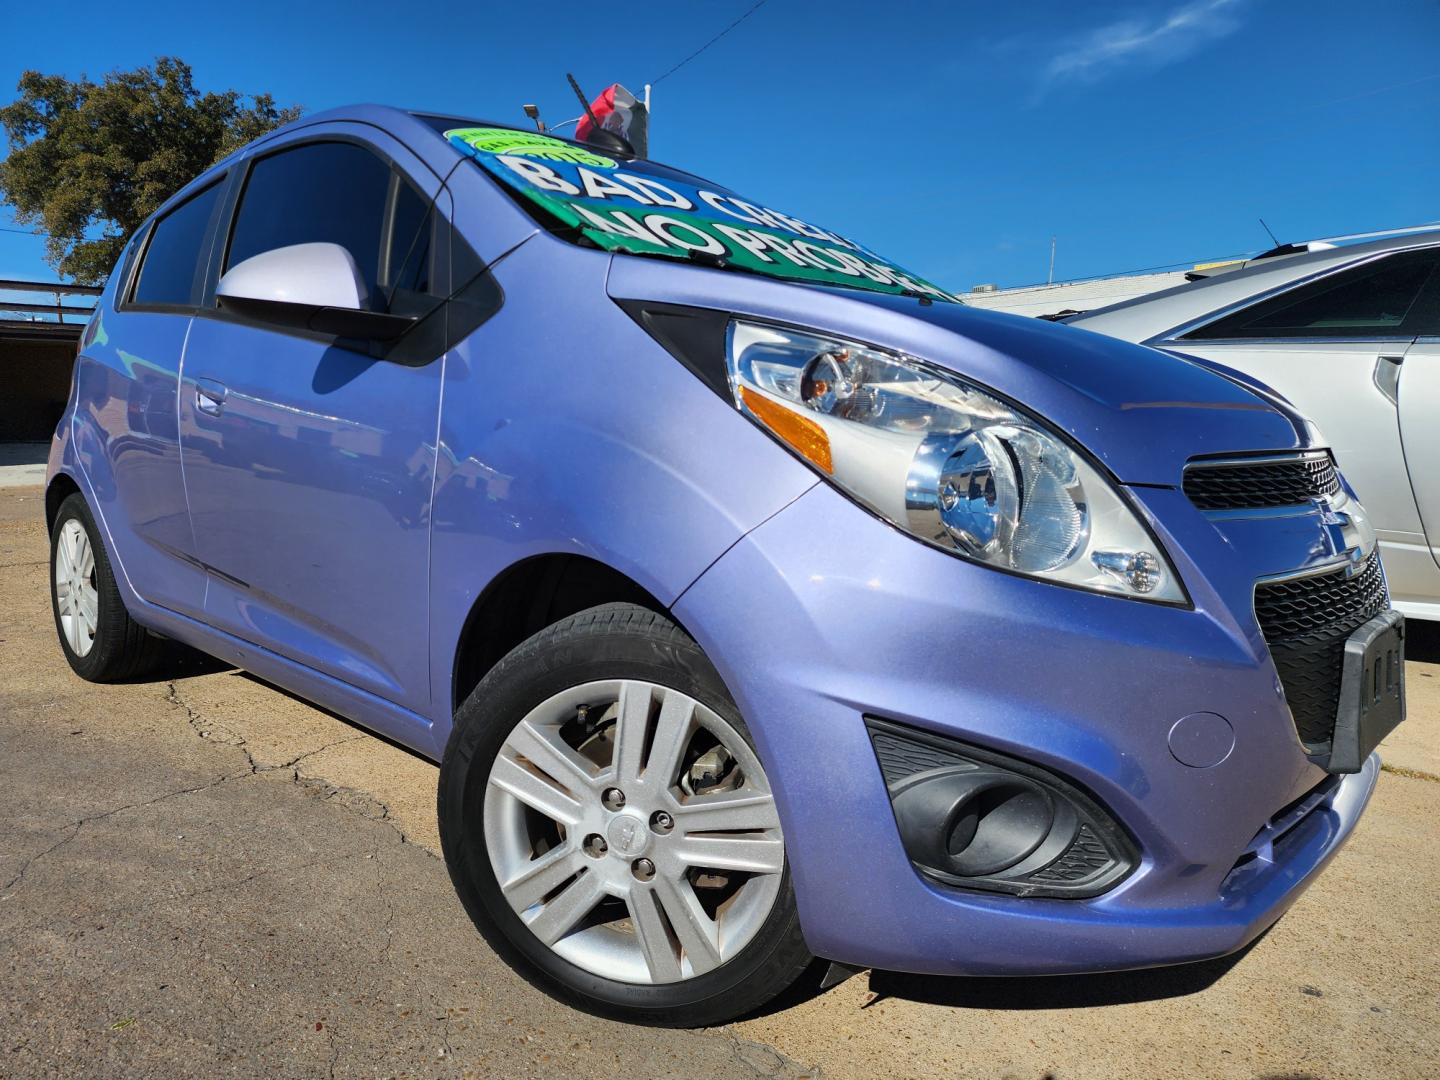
(555, 660)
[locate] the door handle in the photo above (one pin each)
(209, 397)
(1387, 377)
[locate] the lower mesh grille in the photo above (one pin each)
(1086, 856)
(1306, 621)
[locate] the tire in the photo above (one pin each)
(100, 640)
(735, 942)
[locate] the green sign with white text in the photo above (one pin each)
(638, 208)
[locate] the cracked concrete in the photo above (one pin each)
(206, 876)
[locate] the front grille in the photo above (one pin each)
(1255, 485)
(1306, 621)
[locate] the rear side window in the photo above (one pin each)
(320, 192)
(170, 271)
(1384, 298)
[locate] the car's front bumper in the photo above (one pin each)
(824, 615)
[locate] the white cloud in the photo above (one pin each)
(1143, 41)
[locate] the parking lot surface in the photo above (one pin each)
(203, 876)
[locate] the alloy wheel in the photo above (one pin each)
(76, 595)
(634, 832)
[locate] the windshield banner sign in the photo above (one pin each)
(628, 210)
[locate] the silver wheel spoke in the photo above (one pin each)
(564, 912)
(755, 854)
(654, 936)
(67, 548)
(545, 750)
(697, 933)
(737, 811)
(87, 560)
(89, 610)
(632, 717)
(535, 791)
(673, 731)
(538, 878)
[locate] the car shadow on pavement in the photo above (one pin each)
(1422, 641)
(1022, 993)
(1055, 991)
(180, 661)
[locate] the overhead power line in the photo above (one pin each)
(753, 8)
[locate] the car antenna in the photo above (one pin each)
(1279, 248)
(584, 101)
(599, 136)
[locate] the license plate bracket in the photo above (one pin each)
(1372, 693)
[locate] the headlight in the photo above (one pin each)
(945, 461)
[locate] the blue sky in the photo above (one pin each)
(956, 138)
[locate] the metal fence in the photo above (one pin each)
(28, 320)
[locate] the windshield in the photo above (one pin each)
(642, 208)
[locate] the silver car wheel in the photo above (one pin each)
(634, 832)
(76, 598)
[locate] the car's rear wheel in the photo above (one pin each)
(611, 830)
(100, 640)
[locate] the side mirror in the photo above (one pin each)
(307, 287)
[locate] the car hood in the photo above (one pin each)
(1142, 412)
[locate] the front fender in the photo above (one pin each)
(567, 429)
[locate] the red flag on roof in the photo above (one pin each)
(619, 111)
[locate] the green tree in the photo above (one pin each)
(89, 161)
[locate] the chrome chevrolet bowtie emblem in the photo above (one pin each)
(1346, 532)
(627, 835)
(1333, 525)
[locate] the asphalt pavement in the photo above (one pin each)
(201, 875)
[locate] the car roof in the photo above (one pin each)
(1146, 317)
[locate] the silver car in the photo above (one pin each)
(1351, 335)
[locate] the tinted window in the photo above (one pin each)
(408, 276)
(321, 192)
(1379, 299)
(168, 271)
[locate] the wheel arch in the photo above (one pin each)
(528, 596)
(61, 487)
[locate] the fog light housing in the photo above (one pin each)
(977, 819)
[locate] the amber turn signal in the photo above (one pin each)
(804, 435)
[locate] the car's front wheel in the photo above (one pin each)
(610, 828)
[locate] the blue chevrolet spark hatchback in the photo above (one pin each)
(759, 601)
